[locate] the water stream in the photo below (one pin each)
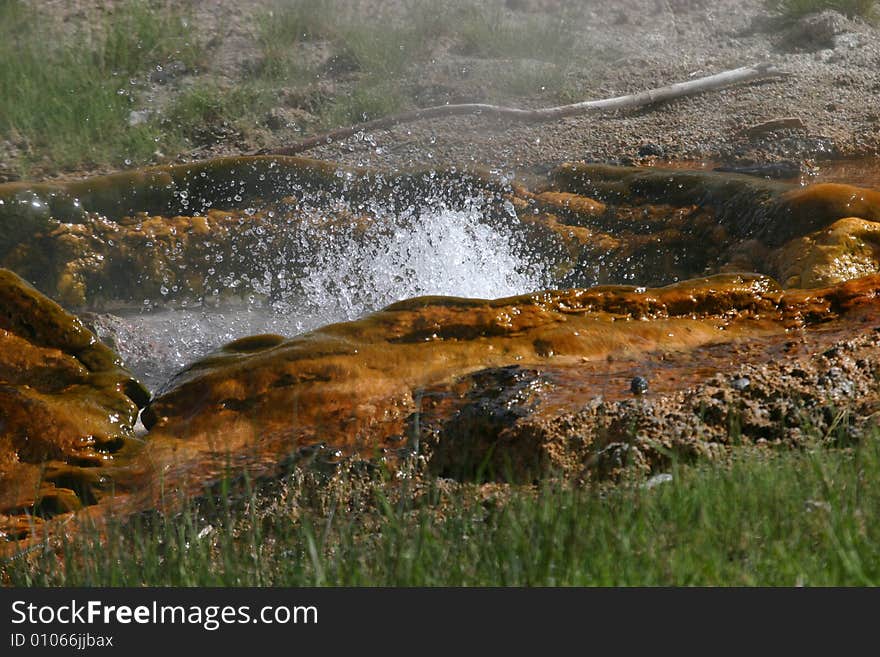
(329, 275)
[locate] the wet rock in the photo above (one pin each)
(467, 388)
(575, 205)
(465, 429)
(847, 249)
(638, 385)
(747, 208)
(359, 386)
(461, 386)
(23, 213)
(776, 170)
(146, 233)
(67, 409)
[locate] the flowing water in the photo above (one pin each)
(328, 275)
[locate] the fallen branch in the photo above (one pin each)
(662, 94)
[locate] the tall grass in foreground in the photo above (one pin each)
(791, 519)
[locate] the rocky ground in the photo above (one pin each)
(834, 77)
(832, 66)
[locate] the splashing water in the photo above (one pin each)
(342, 273)
(442, 252)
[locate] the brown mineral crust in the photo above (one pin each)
(459, 379)
(168, 233)
(352, 388)
(67, 407)
(818, 389)
(581, 206)
(849, 248)
(747, 207)
(585, 421)
(816, 206)
(510, 388)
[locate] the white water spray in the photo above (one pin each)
(342, 274)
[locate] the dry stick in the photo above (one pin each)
(677, 90)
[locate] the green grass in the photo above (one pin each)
(291, 21)
(67, 97)
(67, 90)
(491, 31)
(531, 79)
(383, 56)
(798, 8)
(201, 112)
(369, 100)
(138, 35)
(789, 519)
(287, 24)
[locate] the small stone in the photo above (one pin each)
(740, 383)
(656, 480)
(638, 385)
(137, 117)
(651, 150)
